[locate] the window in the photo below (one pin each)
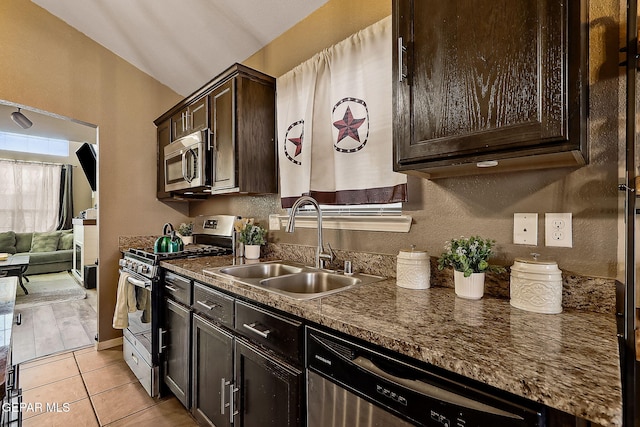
(33, 144)
(376, 217)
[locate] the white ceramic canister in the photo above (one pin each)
(413, 270)
(536, 286)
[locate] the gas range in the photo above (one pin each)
(213, 236)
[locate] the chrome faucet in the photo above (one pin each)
(322, 257)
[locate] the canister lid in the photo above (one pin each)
(413, 253)
(535, 265)
(535, 260)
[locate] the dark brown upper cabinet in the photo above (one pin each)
(238, 109)
(480, 82)
(190, 119)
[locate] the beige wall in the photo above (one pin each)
(50, 66)
(484, 205)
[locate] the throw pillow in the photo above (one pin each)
(45, 242)
(66, 240)
(8, 242)
(23, 242)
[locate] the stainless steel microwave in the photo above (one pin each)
(185, 162)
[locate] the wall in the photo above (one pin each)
(50, 66)
(82, 198)
(484, 205)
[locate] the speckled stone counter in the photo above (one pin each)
(567, 361)
(7, 303)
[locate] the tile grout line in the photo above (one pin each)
(84, 384)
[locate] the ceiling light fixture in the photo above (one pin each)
(21, 120)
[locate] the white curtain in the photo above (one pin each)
(335, 124)
(29, 196)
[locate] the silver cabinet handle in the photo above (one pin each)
(223, 385)
(207, 306)
(252, 328)
(161, 333)
(401, 51)
(171, 288)
(232, 412)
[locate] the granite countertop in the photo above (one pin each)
(567, 361)
(7, 303)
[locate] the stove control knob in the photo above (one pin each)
(122, 262)
(145, 269)
(139, 268)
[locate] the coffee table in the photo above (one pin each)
(15, 265)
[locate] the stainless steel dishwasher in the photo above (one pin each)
(350, 385)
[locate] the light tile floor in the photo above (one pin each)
(92, 388)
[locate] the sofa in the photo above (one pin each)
(49, 252)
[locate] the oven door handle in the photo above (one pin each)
(138, 282)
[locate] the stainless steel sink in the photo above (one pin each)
(260, 271)
(293, 280)
(315, 282)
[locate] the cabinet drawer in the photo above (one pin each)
(177, 288)
(269, 329)
(213, 304)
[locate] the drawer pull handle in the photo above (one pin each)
(19, 319)
(252, 328)
(171, 288)
(207, 306)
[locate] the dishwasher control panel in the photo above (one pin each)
(409, 393)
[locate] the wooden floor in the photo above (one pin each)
(50, 329)
(93, 388)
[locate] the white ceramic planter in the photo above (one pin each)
(187, 240)
(471, 287)
(252, 251)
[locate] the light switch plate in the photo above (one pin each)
(558, 230)
(274, 222)
(525, 229)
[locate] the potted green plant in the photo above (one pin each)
(252, 236)
(185, 230)
(469, 258)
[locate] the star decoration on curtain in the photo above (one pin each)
(348, 126)
(298, 143)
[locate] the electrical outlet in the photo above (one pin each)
(525, 229)
(558, 230)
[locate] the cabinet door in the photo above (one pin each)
(164, 139)
(176, 353)
(198, 115)
(223, 142)
(212, 373)
(179, 124)
(270, 390)
(478, 80)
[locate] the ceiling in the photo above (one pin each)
(182, 44)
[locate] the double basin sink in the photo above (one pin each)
(293, 280)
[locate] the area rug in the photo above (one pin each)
(49, 289)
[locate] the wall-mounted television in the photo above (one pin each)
(87, 156)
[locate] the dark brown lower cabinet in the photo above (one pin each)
(235, 383)
(269, 389)
(176, 353)
(212, 373)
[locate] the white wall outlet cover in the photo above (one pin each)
(274, 222)
(558, 230)
(525, 229)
